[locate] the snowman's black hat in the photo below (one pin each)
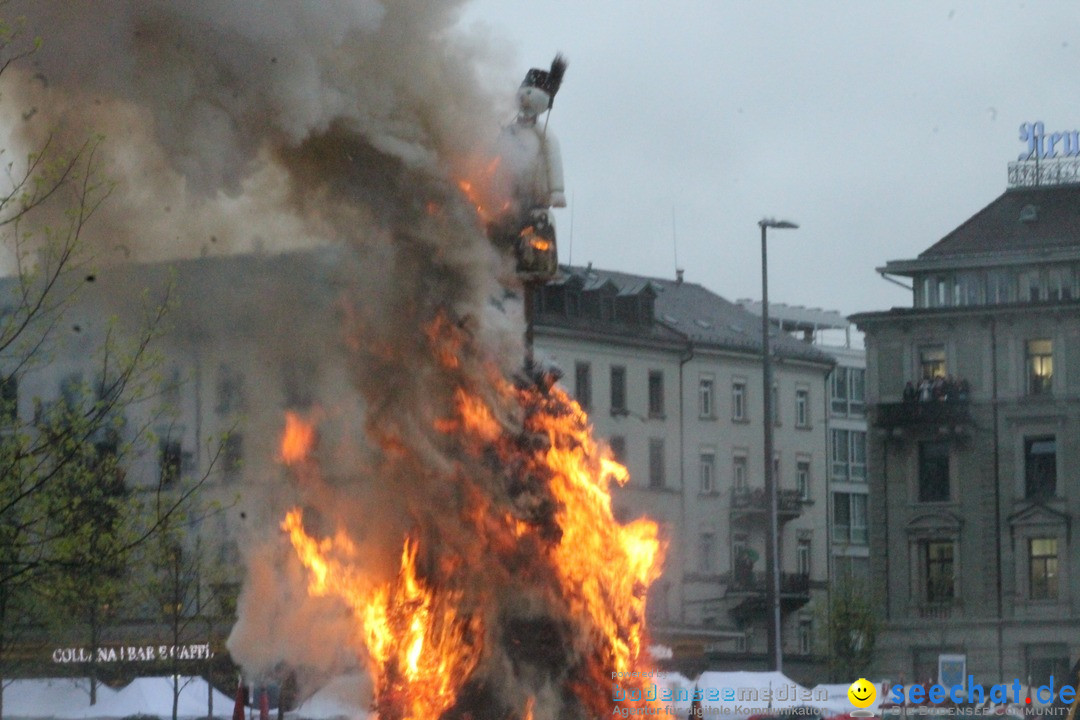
(547, 80)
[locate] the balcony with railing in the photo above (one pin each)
(953, 416)
(747, 589)
(749, 503)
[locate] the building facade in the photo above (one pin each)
(845, 411)
(974, 396)
(671, 376)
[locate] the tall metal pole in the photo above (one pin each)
(530, 288)
(772, 540)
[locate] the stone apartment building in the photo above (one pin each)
(974, 487)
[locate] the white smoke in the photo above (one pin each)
(196, 101)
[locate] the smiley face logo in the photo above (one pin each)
(861, 693)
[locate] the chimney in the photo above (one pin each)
(678, 276)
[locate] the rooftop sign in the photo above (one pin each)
(1042, 146)
(1052, 159)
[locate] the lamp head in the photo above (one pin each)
(778, 224)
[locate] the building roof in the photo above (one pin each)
(1019, 220)
(687, 311)
(798, 317)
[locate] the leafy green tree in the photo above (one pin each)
(852, 627)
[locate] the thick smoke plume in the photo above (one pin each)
(239, 126)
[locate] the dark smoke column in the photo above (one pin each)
(532, 155)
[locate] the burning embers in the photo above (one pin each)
(520, 594)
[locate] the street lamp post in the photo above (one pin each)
(772, 539)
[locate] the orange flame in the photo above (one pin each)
(606, 567)
(297, 440)
(423, 632)
(421, 649)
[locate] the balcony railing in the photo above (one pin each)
(755, 582)
(747, 590)
(934, 413)
(936, 611)
(789, 503)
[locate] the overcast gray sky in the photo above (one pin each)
(878, 127)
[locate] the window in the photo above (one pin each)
(738, 472)
(841, 451)
(1040, 467)
(656, 393)
(232, 455)
(968, 289)
(940, 584)
(802, 479)
(742, 562)
(943, 292)
(806, 634)
(705, 398)
(170, 461)
(1059, 283)
(738, 400)
(857, 378)
(230, 391)
(932, 361)
(708, 472)
(934, 471)
(707, 553)
(656, 463)
(858, 519)
(838, 390)
(573, 303)
(618, 448)
(1031, 286)
(999, 287)
(618, 389)
(583, 385)
(849, 518)
(802, 557)
(802, 408)
(1043, 568)
(849, 455)
(1039, 366)
(847, 391)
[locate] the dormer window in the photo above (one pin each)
(573, 303)
(647, 309)
(1029, 213)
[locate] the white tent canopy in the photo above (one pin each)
(342, 697)
(48, 697)
(69, 699)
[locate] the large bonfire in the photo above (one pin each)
(547, 596)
